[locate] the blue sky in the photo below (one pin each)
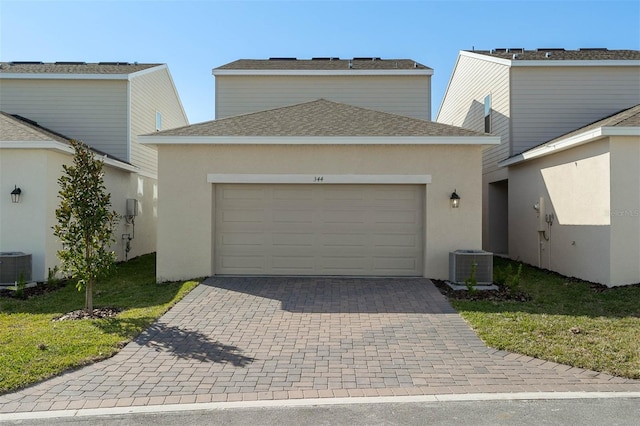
(193, 37)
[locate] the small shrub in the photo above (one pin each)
(53, 281)
(500, 274)
(21, 285)
(506, 277)
(472, 281)
(513, 279)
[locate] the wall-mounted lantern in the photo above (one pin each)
(455, 200)
(15, 194)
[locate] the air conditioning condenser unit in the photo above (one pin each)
(12, 265)
(461, 263)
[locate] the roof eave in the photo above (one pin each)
(262, 72)
(573, 141)
(80, 76)
(64, 148)
(554, 62)
(318, 140)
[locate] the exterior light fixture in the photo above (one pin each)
(15, 194)
(455, 200)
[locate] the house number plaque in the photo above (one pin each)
(318, 179)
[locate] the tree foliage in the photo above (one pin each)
(85, 223)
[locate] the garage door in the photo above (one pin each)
(319, 229)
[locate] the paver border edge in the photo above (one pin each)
(315, 402)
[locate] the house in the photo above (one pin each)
(397, 86)
(590, 225)
(319, 186)
(531, 98)
(106, 105)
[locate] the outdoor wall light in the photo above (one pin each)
(455, 200)
(15, 194)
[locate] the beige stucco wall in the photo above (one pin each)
(576, 188)
(625, 210)
(23, 225)
(185, 234)
(27, 226)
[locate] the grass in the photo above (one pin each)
(33, 347)
(565, 321)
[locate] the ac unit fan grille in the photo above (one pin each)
(461, 265)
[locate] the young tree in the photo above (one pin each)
(85, 222)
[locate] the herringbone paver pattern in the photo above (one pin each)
(235, 339)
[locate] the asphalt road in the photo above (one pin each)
(608, 411)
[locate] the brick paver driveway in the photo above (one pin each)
(273, 338)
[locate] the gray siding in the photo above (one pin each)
(463, 104)
(549, 102)
(94, 111)
(151, 92)
(404, 95)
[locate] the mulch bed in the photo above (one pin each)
(28, 292)
(502, 294)
(41, 288)
(107, 312)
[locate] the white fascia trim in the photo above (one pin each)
(570, 142)
(69, 76)
(486, 58)
(64, 149)
(146, 71)
(553, 147)
(621, 131)
(570, 63)
(319, 140)
(416, 71)
(43, 76)
(553, 62)
(318, 179)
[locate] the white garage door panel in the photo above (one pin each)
(319, 229)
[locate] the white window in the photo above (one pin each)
(487, 114)
(158, 121)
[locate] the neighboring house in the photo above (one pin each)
(528, 98)
(589, 181)
(397, 86)
(35, 164)
(319, 186)
(105, 105)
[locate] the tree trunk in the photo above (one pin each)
(89, 297)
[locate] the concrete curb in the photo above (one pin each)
(315, 402)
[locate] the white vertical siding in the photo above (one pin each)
(549, 102)
(94, 111)
(463, 104)
(150, 93)
(404, 95)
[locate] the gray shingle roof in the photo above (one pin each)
(322, 64)
(555, 54)
(319, 118)
(72, 68)
(15, 128)
(629, 117)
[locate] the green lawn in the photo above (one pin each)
(33, 347)
(565, 321)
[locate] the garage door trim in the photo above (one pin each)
(319, 179)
